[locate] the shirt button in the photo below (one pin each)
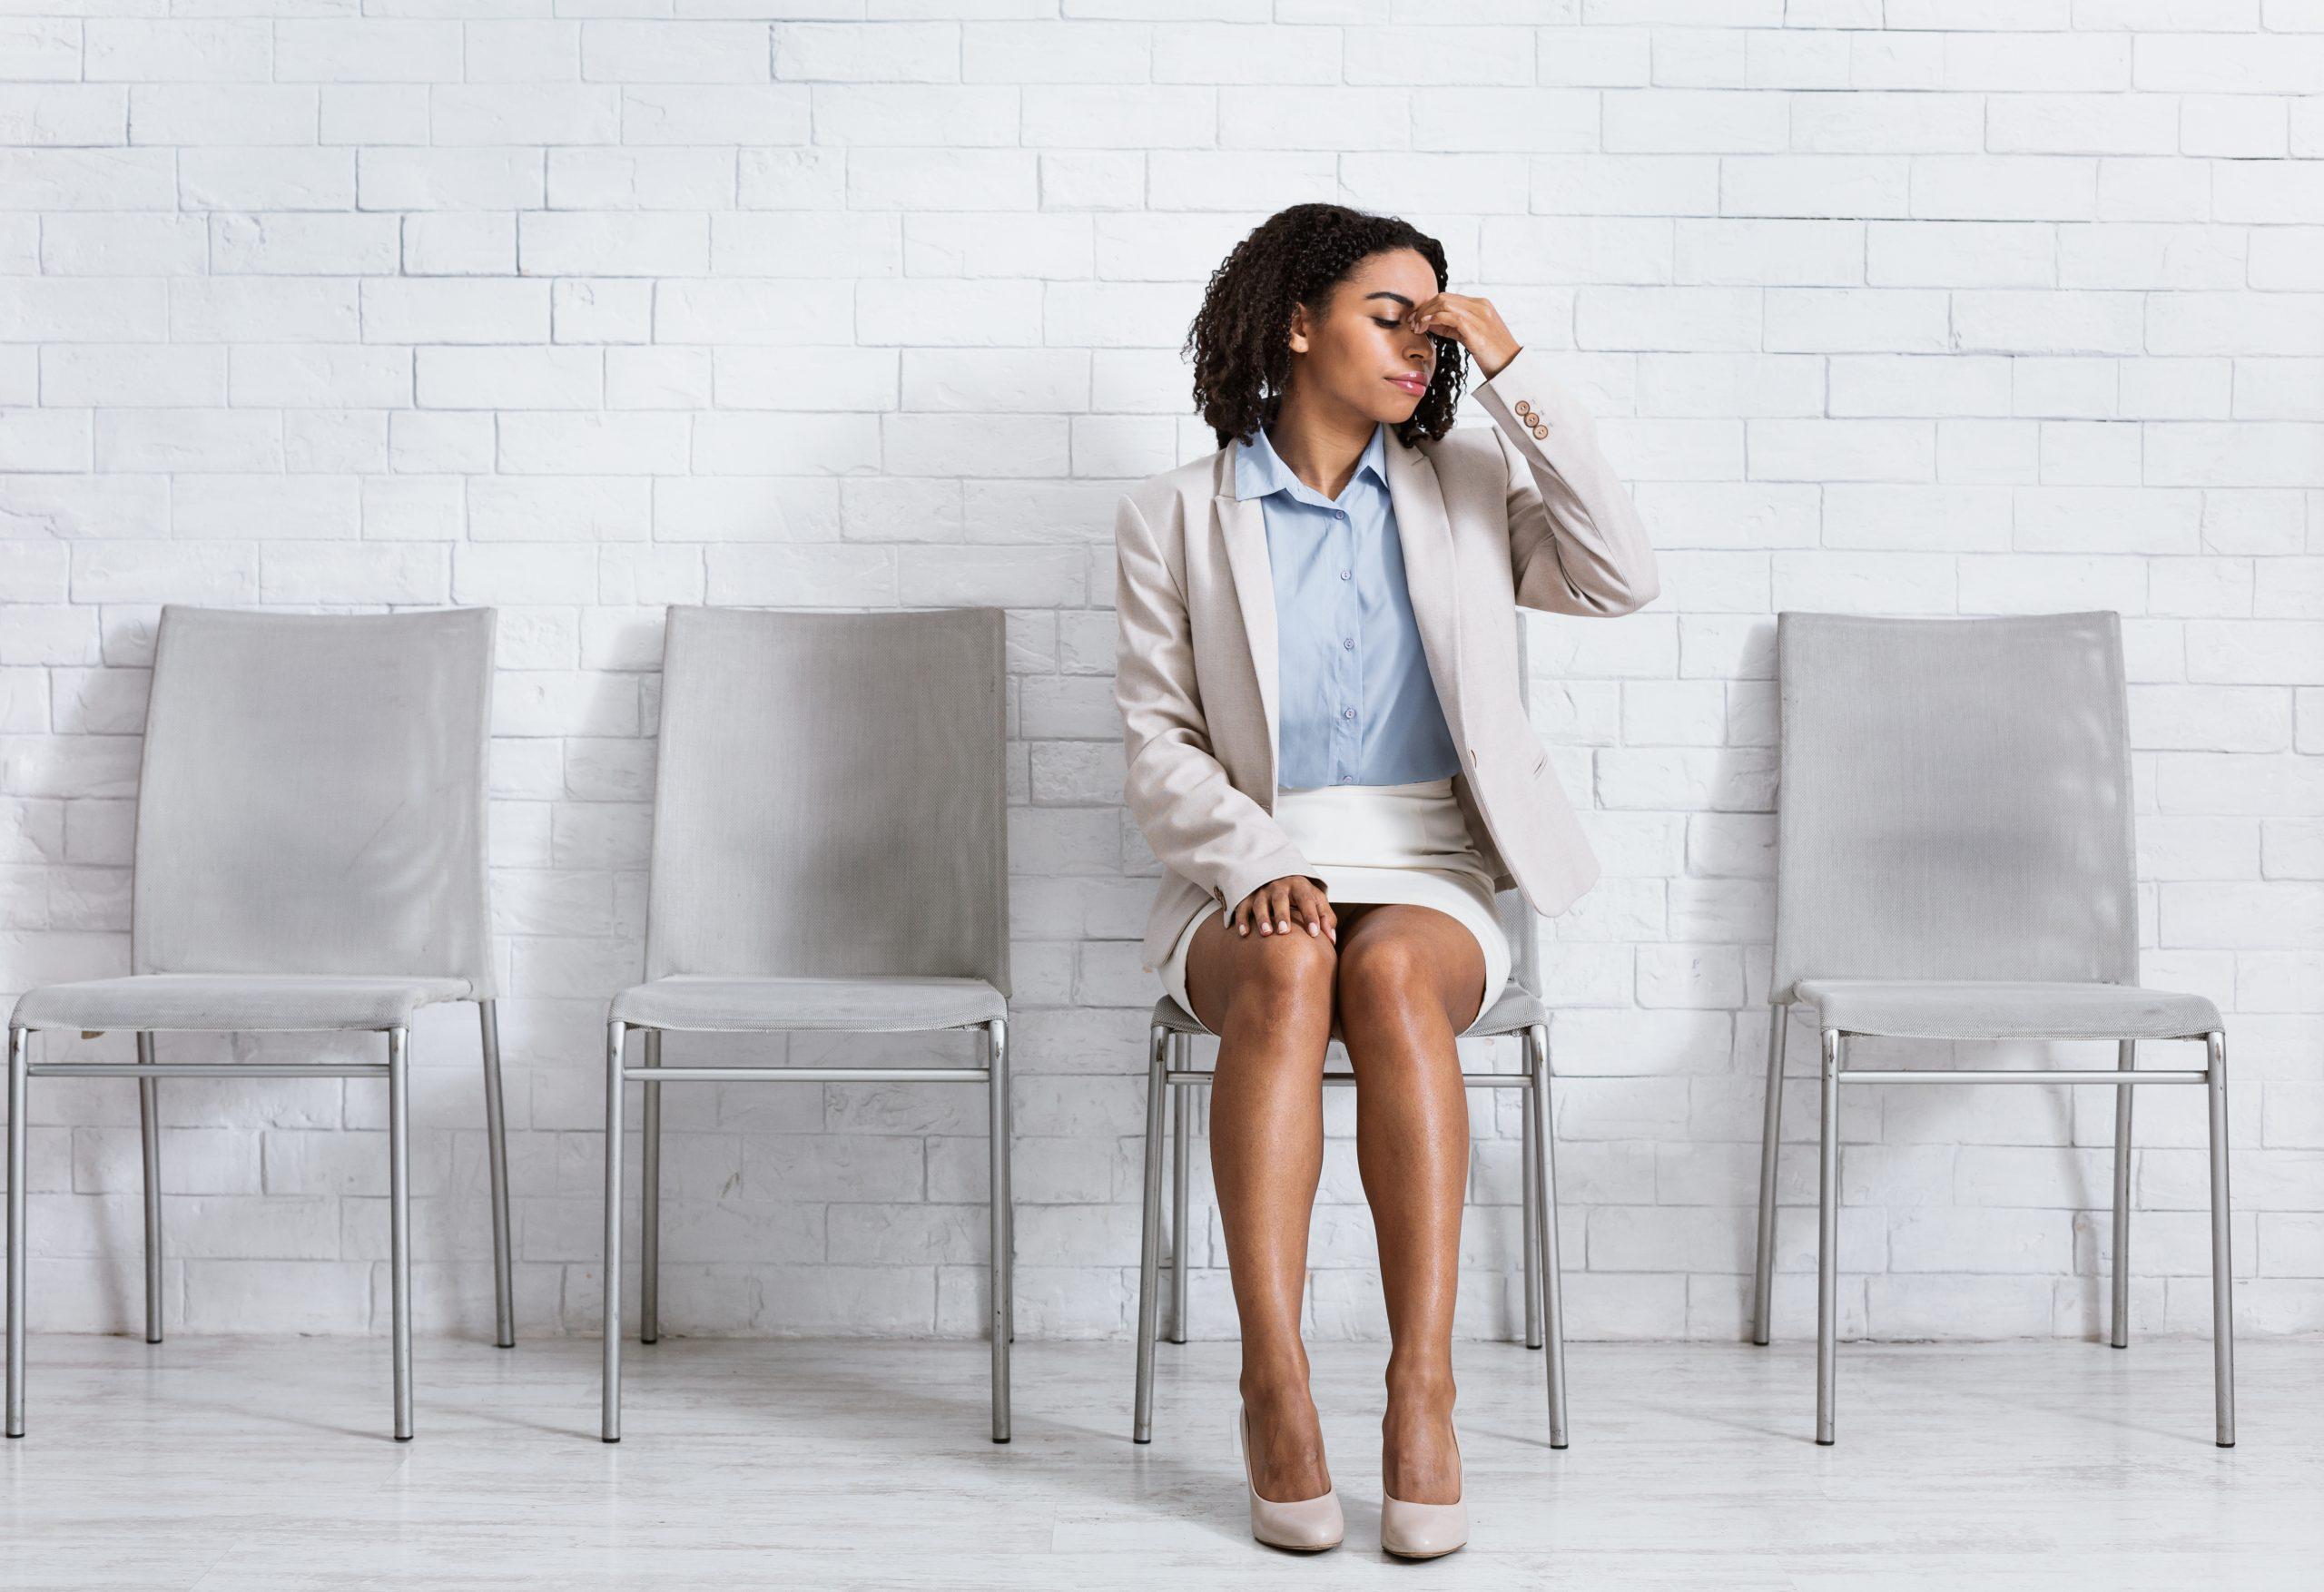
(1346, 574)
(1347, 779)
(1348, 641)
(1347, 712)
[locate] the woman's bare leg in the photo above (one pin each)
(1269, 1000)
(1409, 979)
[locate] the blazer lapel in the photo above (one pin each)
(1243, 524)
(1430, 578)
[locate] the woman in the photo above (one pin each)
(1326, 751)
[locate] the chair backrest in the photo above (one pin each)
(831, 795)
(1953, 800)
(313, 795)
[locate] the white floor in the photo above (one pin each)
(266, 1463)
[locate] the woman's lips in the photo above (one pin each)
(1415, 385)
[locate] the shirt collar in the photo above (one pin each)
(1260, 470)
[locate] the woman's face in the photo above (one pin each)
(1361, 352)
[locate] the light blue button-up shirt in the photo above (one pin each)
(1357, 705)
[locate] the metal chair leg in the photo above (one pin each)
(149, 1124)
(1008, 1209)
(2222, 1261)
(19, 1257)
(996, 1092)
(609, 1428)
(1181, 1137)
(2126, 1057)
(495, 1137)
(1530, 1201)
(649, 1224)
(1771, 1148)
(399, 1220)
(1537, 1104)
(1150, 1249)
(1828, 1240)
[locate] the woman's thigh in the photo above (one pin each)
(1433, 953)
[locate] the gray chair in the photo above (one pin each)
(830, 852)
(1955, 860)
(1517, 1011)
(310, 856)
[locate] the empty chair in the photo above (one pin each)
(310, 855)
(1518, 1011)
(1955, 860)
(830, 852)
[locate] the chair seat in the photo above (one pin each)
(872, 1003)
(1516, 1010)
(1999, 1008)
(234, 1002)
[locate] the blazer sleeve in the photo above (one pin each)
(1575, 540)
(1199, 825)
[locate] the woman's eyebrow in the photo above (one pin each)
(1384, 293)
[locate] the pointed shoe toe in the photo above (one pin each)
(1412, 1531)
(1307, 1525)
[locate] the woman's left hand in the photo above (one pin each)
(1473, 322)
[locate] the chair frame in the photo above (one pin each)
(1834, 1072)
(992, 1072)
(2115, 964)
(1168, 1042)
(992, 1068)
(148, 1072)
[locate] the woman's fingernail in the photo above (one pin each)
(1282, 928)
(1313, 929)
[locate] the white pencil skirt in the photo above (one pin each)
(1383, 843)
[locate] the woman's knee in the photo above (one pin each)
(1282, 973)
(1385, 966)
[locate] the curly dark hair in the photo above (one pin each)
(1240, 336)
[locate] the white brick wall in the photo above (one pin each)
(481, 303)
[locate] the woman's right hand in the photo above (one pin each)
(1277, 904)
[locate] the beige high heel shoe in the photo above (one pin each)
(1307, 1525)
(1416, 1530)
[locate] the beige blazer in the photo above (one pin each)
(1525, 513)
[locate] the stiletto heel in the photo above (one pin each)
(1307, 1525)
(1414, 1530)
